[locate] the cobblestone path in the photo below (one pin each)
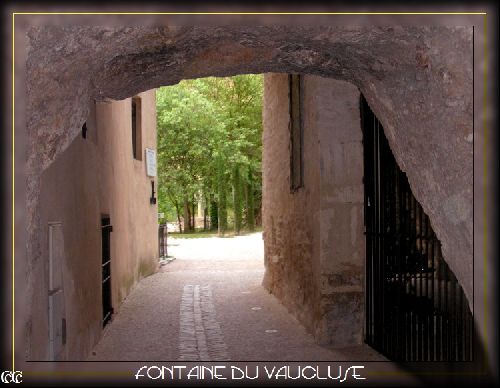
(209, 304)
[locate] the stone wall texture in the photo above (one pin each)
(417, 80)
(334, 107)
(314, 242)
(290, 220)
(93, 177)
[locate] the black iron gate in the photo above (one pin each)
(162, 240)
(107, 309)
(415, 307)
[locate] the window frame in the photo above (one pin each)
(136, 127)
(296, 130)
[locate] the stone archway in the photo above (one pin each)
(416, 79)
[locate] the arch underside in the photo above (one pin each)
(417, 80)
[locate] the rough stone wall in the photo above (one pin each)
(290, 220)
(417, 80)
(335, 107)
(93, 177)
(314, 242)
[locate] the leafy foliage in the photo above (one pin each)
(210, 147)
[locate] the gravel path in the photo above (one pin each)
(209, 304)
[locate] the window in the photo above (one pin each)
(136, 128)
(296, 132)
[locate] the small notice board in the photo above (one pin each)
(150, 162)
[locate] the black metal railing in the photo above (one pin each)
(162, 240)
(415, 308)
(107, 306)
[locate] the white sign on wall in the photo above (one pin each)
(150, 162)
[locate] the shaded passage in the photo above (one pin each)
(209, 304)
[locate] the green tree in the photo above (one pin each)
(183, 119)
(209, 144)
(237, 199)
(250, 203)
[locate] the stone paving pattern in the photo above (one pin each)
(209, 304)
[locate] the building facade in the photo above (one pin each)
(313, 215)
(99, 226)
(349, 250)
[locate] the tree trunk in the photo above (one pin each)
(214, 215)
(250, 204)
(193, 215)
(237, 200)
(178, 211)
(205, 213)
(221, 191)
(187, 218)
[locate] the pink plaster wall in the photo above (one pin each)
(93, 177)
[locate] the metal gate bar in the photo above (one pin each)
(107, 307)
(162, 240)
(415, 308)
